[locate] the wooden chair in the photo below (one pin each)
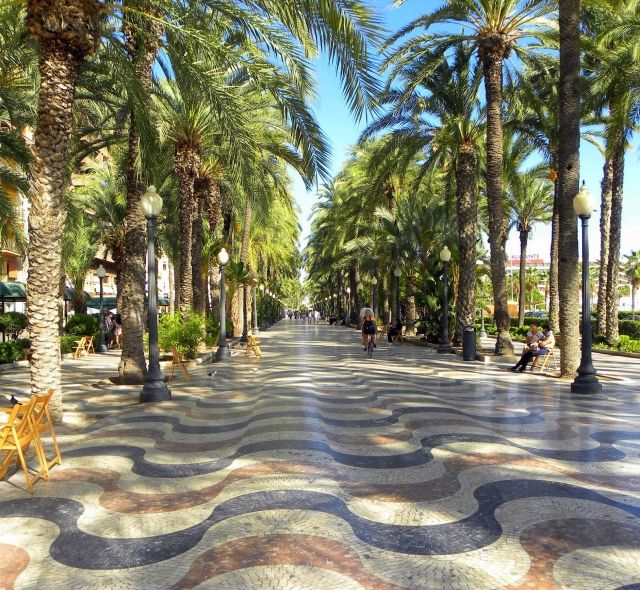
(178, 361)
(88, 345)
(253, 344)
(41, 424)
(16, 435)
(81, 347)
(545, 361)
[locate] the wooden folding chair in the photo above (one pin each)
(545, 362)
(41, 424)
(178, 361)
(81, 347)
(88, 345)
(16, 435)
(253, 344)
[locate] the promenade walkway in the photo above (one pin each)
(315, 468)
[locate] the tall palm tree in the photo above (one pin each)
(496, 28)
(530, 202)
(568, 183)
(632, 271)
(66, 32)
(438, 117)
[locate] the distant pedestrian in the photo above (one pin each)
(118, 332)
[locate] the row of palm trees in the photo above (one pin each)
(477, 90)
(208, 100)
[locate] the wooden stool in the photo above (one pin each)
(253, 344)
(545, 362)
(178, 361)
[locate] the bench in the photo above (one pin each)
(178, 361)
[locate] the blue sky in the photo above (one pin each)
(342, 131)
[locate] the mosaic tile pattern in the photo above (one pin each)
(317, 468)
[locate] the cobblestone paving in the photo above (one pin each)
(316, 468)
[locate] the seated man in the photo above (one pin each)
(368, 327)
(531, 344)
(395, 331)
(547, 342)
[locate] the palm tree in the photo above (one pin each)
(496, 28)
(568, 183)
(632, 271)
(530, 202)
(438, 117)
(66, 32)
(615, 90)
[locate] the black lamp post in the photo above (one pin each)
(223, 348)
(154, 389)
(444, 346)
(347, 322)
(397, 273)
(254, 284)
(245, 323)
(102, 346)
(586, 381)
(374, 295)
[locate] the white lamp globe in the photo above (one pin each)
(374, 281)
(397, 272)
(223, 256)
(151, 203)
(583, 203)
(101, 272)
(445, 254)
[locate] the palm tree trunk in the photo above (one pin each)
(568, 184)
(213, 206)
(59, 66)
(142, 47)
(554, 296)
(196, 255)
(605, 227)
(613, 266)
(394, 297)
(186, 163)
(467, 215)
(385, 298)
(410, 305)
(492, 65)
(524, 238)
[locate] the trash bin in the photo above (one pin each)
(469, 343)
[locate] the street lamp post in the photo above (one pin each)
(223, 348)
(254, 284)
(397, 273)
(245, 320)
(154, 389)
(102, 346)
(348, 318)
(374, 295)
(586, 381)
(445, 256)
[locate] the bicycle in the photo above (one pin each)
(370, 345)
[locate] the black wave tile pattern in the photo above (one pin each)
(76, 548)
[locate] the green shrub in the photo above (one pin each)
(629, 328)
(67, 344)
(12, 323)
(627, 344)
(81, 324)
(629, 315)
(23, 343)
(10, 352)
(185, 331)
(212, 327)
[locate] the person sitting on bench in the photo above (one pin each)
(545, 345)
(531, 343)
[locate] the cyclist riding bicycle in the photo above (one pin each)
(368, 327)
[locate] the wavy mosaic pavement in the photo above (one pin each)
(316, 468)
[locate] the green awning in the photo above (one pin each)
(110, 302)
(11, 291)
